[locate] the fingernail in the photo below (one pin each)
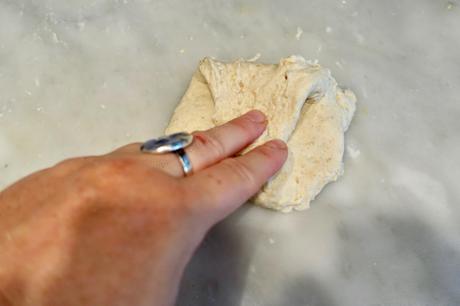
(277, 144)
(256, 116)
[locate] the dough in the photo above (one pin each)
(304, 106)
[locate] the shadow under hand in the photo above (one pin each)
(217, 273)
(304, 291)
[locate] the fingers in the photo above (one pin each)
(211, 146)
(214, 145)
(220, 189)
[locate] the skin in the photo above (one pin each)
(118, 229)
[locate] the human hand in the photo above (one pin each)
(118, 229)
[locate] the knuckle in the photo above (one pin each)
(247, 127)
(84, 195)
(243, 124)
(71, 166)
(116, 167)
(179, 201)
(266, 152)
(104, 183)
(110, 174)
(86, 192)
(241, 171)
(211, 143)
(72, 163)
(112, 186)
(174, 193)
(243, 128)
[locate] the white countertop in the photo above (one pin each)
(82, 77)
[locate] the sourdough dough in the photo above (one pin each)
(304, 106)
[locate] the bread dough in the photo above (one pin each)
(304, 107)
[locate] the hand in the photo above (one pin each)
(118, 229)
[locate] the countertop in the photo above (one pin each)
(83, 77)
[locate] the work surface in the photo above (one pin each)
(83, 77)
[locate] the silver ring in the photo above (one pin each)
(174, 143)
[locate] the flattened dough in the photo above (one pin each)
(304, 106)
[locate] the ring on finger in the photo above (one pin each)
(174, 143)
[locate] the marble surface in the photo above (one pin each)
(82, 77)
